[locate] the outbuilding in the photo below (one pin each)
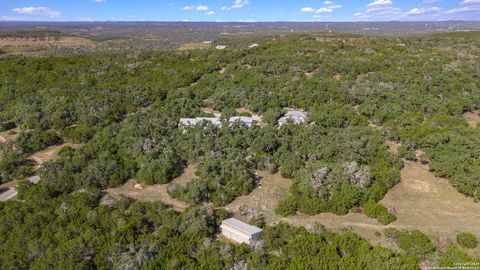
(240, 232)
(248, 121)
(297, 117)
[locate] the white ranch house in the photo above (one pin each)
(297, 117)
(191, 122)
(240, 232)
(248, 121)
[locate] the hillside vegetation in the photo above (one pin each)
(124, 107)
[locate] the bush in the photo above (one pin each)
(7, 125)
(467, 240)
(33, 141)
(378, 211)
(414, 243)
(286, 207)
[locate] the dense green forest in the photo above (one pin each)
(125, 107)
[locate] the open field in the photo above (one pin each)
(149, 193)
(472, 118)
(421, 200)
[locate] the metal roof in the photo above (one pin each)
(241, 226)
(247, 120)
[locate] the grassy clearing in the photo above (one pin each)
(194, 46)
(51, 153)
(148, 194)
(151, 193)
(421, 201)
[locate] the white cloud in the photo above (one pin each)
(430, 1)
(468, 2)
(329, 7)
(467, 9)
(358, 14)
(197, 8)
(99, 1)
(380, 3)
(38, 11)
(201, 8)
(423, 11)
(240, 3)
(324, 10)
(225, 8)
(210, 13)
(307, 10)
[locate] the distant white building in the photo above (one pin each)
(240, 232)
(220, 47)
(297, 117)
(254, 45)
(248, 121)
(192, 122)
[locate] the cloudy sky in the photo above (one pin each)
(238, 10)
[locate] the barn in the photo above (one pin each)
(240, 232)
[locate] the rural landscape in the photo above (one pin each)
(137, 145)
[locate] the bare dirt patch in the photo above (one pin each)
(472, 118)
(212, 111)
(51, 153)
(148, 193)
(9, 135)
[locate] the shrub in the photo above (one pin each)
(378, 211)
(467, 240)
(7, 125)
(286, 207)
(33, 141)
(414, 243)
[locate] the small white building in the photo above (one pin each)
(34, 179)
(8, 194)
(297, 117)
(191, 122)
(248, 121)
(240, 232)
(220, 47)
(254, 45)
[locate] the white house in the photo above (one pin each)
(220, 47)
(248, 121)
(298, 117)
(240, 232)
(8, 194)
(191, 122)
(254, 45)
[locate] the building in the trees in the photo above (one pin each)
(297, 117)
(240, 232)
(220, 47)
(248, 121)
(192, 122)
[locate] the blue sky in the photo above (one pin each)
(238, 10)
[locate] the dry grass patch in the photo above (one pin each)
(194, 46)
(430, 203)
(9, 135)
(47, 42)
(148, 193)
(393, 146)
(51, 153)
(472, 118)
